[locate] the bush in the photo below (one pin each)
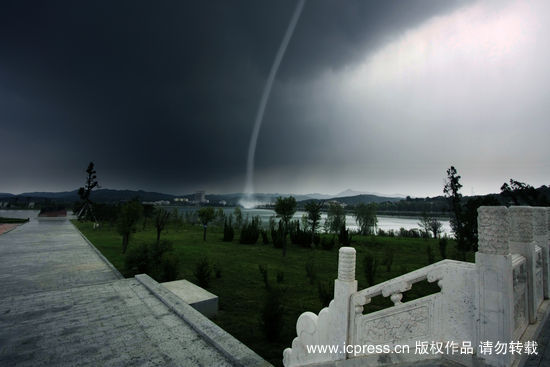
(344, 237)
(169, 265)
(278, 236)
(228, 231)
(327, 243)
(271, 318)
(156, 260)
(298, 236)
(203, 272)
(326, 292)
(250, 231)
(370, 268)
(443, 247)
(137, 260)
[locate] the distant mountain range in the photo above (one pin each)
(110, 195)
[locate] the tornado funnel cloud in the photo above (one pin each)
(248, 199)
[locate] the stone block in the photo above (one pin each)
(200, 299)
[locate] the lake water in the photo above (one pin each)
(385, 222)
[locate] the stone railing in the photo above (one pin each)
(493, 300)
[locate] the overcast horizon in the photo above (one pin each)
(372, 96)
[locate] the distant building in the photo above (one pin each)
(158, 202)
(31, 205)
(222, 202)
(181, 200)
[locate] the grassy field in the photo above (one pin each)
(240, 288)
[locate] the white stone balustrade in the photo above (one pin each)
(493, 300)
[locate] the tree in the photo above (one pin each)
(161, 218)
(430, 224)
(129, 215)
(520, 193)
(336, 217)
(313, 210)
(285, 209)
(85, 209)
(206, 215)
(451, 190)
(365, 216)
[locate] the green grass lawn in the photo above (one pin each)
(241, 289)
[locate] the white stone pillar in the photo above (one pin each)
(541, 240)
(522, 242)
(496, 292)
(344, 287)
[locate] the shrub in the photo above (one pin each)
(271, 318)
(327, 243)
(169, 265)
(370, 268)
(443, 247)
(326, 292)
(250, 231)
(298, 236)
(228, 231)
(155, 259)
(344, 237)
(137, 260)
(316, 239)
(278, 236)
(203, 272)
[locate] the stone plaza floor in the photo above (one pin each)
(62, 305)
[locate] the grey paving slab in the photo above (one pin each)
(61, 305)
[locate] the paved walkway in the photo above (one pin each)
(61, 305)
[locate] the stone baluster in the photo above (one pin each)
(495, 287)
(522, 242)
(395, 291)
(344, 287)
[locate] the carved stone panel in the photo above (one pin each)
(406, 324)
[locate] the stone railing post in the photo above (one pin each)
(522, 242)
(344, 287)
(332, 325)
(495, 288)
(541, 240)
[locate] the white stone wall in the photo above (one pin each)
(493, 300)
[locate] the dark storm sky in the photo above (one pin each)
(374, 95)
